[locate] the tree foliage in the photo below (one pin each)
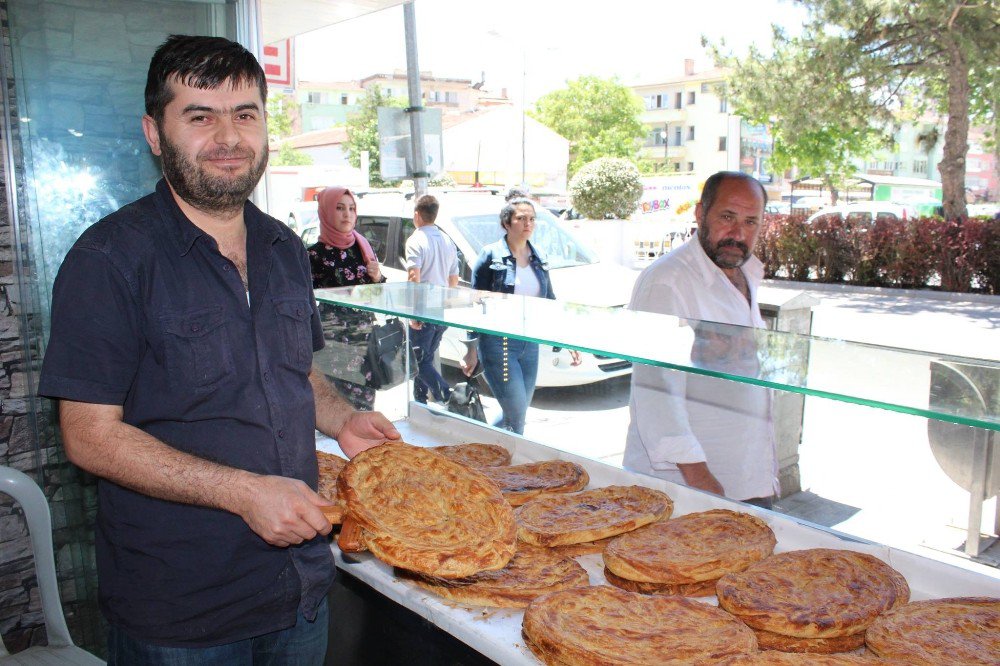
(282, 111)
(289, 156)
(362, 133)
(830, 93)
(600, 117)
(607, 187)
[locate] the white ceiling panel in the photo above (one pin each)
(285, 18)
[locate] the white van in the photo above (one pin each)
(471, 218)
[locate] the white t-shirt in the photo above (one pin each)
(677, 417)
(429, 250)
(526, 282)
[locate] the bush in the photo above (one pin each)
(608, 187)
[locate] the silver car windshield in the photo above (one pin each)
(558, 247)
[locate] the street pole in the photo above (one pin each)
(416, 107)
(524, 102)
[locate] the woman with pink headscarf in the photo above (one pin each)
(343, 257)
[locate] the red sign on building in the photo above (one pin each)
(277, 63)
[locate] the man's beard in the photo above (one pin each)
(713, 250)
(211, 194)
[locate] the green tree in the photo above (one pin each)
(282, 112)
(362, 133)
(600, 117)
(830, 93)
(606, 187)
(288, 156)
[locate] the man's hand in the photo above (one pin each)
(470, 361)
(363, 430)
(697, 475)
(281, 511)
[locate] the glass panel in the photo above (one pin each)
(889, 378)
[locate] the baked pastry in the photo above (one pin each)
(531, 573)
(964, 630)
(691, 548)
(772, 658)
(475, 455)
(330, 467)
(590, 515)
(421, 511)
(768, 640)
(588, 626)
(704, 588)
(520, 483)
(582, 548)
(815, 593)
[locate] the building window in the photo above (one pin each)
(677, 136)
(723, 105)
(691, 97)
(690, 166)
(343, 99)
(451, 97)
(314, 98)
(704, 88)
(655, 138)
(920, 166)
(722, 144)
(677, 166)
(679, 100)
(691, 133)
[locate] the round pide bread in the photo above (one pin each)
(475, 455)
(521, 483)
(691, 548)
(768, 640)
(815, 593)
(964, 630)
(330, 467)
(558, 520)
(531, 573)
(607, 626)
(705, 588)
(421, 511)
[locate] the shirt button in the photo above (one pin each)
(195, 328)
(298, 312)
(267, 376)
(226, 267)
(281, 434)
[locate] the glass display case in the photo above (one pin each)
(952, 401)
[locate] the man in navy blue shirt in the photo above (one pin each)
(183, 329)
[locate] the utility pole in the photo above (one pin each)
(416, 107)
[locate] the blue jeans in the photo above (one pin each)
(428, 379)
(303, 644)
(511, 368)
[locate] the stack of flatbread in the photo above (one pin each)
(687, 555)
(818, 600)
(941, 631)
(605, 625)
(521, 483)
(589, 516)
(418, 510)
(531, 573)
(773, 658)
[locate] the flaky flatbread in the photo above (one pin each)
(330, 467)
(815, 593)
(475, 455)
(421, 511)
(772, 658)
(521, 483)
(963, 630)
(531, 573)
(590, 515)
(603, 625)
(768, 640)
(691, 548)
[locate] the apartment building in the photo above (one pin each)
(689, 126)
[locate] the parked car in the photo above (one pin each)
(471, 219)
(866, 211)
(302, 215)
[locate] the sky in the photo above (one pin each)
(540, 44)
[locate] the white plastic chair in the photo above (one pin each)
(60, 649)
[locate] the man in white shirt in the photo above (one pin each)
(431, 257)
(705, 432)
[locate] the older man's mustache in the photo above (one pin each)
(732, 242)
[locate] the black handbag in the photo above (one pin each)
(386, 348)
(464, 400)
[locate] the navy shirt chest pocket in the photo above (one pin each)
(196, 347)
(294, 319)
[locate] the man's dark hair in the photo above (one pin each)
(516, 193)
(711, 189)
(200, 62)
(428, 206)
(507, 212)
